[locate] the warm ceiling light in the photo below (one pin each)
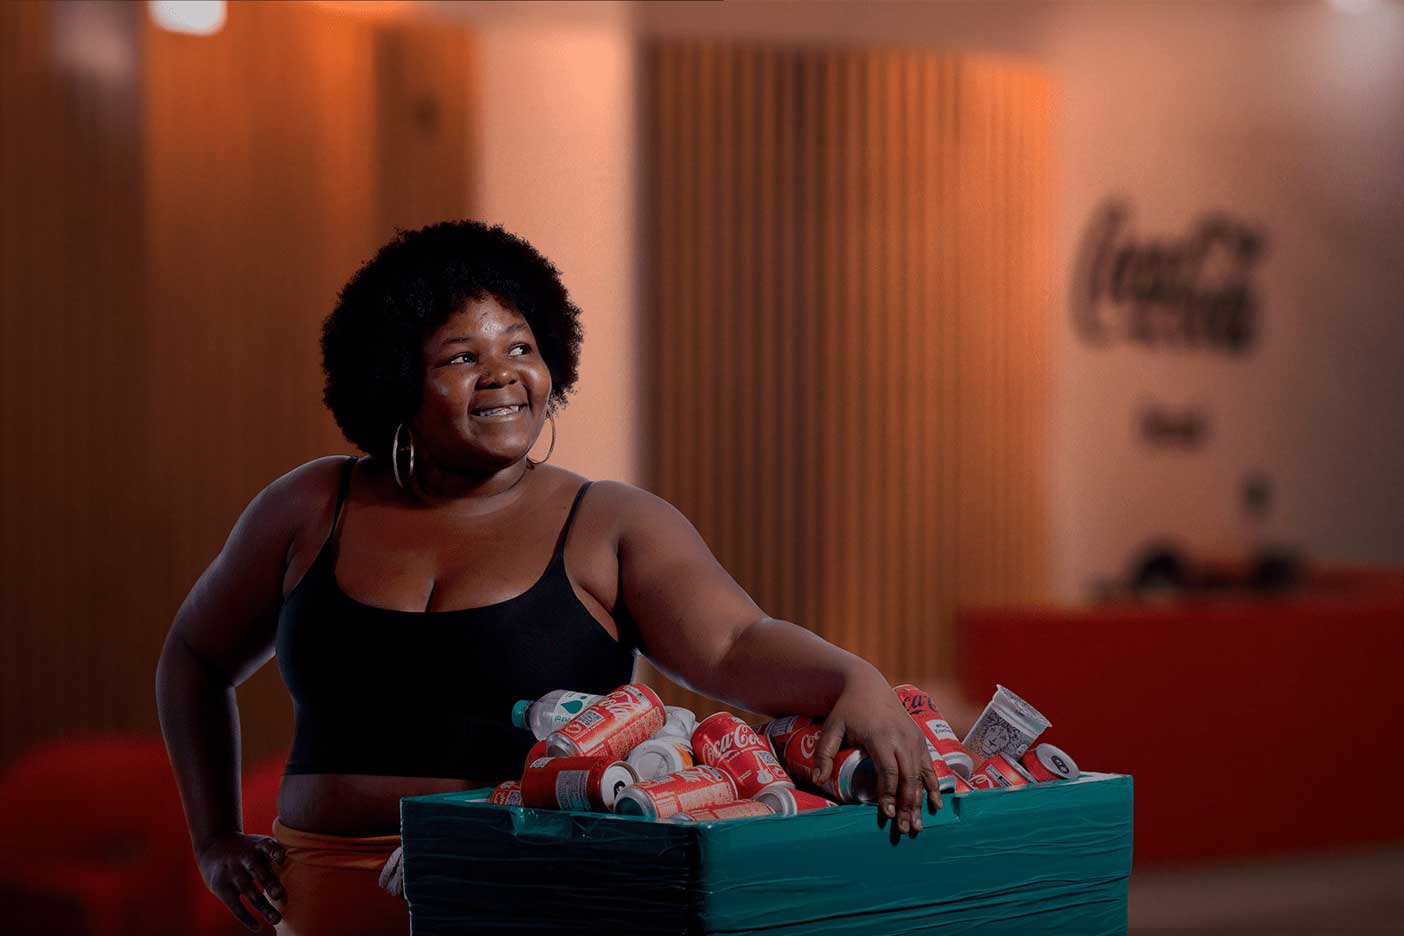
(196, 17)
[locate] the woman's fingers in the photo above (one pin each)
(932, 783)
(257, 867)
(829, 740)
(229, 895)
(909, 792)
(252, 893)
(888, 773)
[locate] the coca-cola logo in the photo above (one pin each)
(739, 738)
(808, 744)
(1192, 292)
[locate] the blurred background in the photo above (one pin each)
(1053, 343)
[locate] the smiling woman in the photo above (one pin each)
(412, 596)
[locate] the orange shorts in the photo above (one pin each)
(332, 885)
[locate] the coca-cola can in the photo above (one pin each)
(538, 751)
(741, 809)
(787, 801)
(677, 792)
(585, 783)
(852, 779)
(725, 741)
(780, 730)
(664, 754)
(508, 793)
(938, 731)
(1046, 762)
(999, 771)
(612, 726)
(962, 786)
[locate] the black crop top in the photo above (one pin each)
(430, 693)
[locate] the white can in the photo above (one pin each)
(661, 755)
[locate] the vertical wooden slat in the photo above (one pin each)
(877, 274)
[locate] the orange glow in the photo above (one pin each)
(371, 9)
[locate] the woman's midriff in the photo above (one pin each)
(356, 804)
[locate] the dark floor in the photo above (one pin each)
(1361, 890)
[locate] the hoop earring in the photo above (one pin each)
(533, 464)
(395, 455)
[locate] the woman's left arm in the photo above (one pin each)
(699, 626)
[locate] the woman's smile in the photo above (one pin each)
(501, 414)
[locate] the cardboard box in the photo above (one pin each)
(1053, 858)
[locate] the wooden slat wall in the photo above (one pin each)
(849, 303)
(172, 241)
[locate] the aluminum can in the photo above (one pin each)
(725, 741)
(1046, 763)
(853, 778)
(938, 731)
(962, 786)
(611, 727)
(681, 723)
(741, 809)
(664, 754)
(780, 730)
(538, 751)
(585, 783)
(787, 801)
(507, 794)
(677, 792)
(999, 771)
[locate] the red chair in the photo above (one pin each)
(93, 840)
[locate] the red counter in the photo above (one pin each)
(1231, 715)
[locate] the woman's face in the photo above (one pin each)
(484, 356)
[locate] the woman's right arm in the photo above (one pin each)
(222, 634)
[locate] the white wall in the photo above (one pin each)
(1287, 115)
(556, 166)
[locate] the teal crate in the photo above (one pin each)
(1053, 858)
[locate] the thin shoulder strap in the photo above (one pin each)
(341, 493)
(570, 518)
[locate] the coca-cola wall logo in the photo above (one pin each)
(1195, 292)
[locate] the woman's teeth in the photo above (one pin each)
(500, 411)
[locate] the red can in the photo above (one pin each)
(1045, 763)
(962, 786)
(999, 771)
(586, 783)
(780, 730)
(538, 751)
(938, 731)
(612, 726)
(725, 741)
(741, 809)
(787, 801)
(507, 794)
(852, 779)
(678, 792)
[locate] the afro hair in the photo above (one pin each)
(373, 341)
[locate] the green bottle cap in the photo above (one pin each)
(519, 713)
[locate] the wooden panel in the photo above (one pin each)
(180, 213)
(853, 404)
(75, 632)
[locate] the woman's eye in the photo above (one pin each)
(470, 353)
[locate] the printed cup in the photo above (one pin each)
(1008, 725)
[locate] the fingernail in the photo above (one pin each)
(891, 810)
(916, 824)
(815, 775)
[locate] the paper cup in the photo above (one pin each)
(1008, 725)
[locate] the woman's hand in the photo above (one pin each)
(235, 865)
(868, 714)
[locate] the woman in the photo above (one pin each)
(404, 596)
